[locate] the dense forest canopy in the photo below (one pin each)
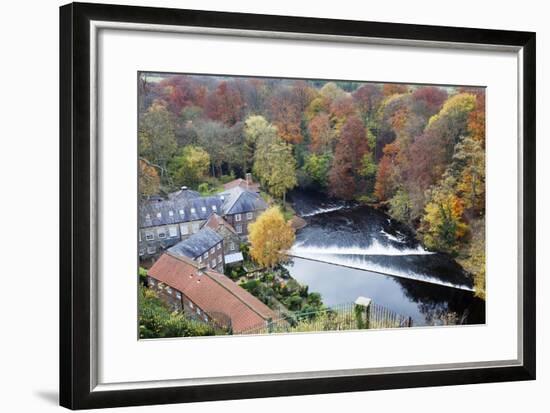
(418, 151)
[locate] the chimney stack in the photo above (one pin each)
(248, 178)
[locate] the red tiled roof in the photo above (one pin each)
(242, 183)
(212, 292)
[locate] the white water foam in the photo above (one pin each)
(324, 254)
(392, 237)
(376, 248)
(323, 210)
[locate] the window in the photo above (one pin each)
(147, 216)
(213, 263)
(219, 259)
(198, 311)
(249, 215)
(171, 213)
(184, 229)
(151, 282)
(214, 208)
(219, 246)
(213, 250)
(168, 290)
(206, 255)
(173, 231)
(232, 246)
(139, 236)
(141, 251)
(239, 229)
(161, 233)
(222, 197)
(182, 212)
(151, 250)
(159, 215)
(190, 304)
(178, 295)
(193, 210)
(203, 209)
(206, 318)
(237, 217)
(195, 227)
(200, 259)
(149, 236)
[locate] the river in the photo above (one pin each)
(349, 250)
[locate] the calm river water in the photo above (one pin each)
(347, 251)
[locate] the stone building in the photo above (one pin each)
(206, 295)
(240, 208)
(204, 247)
(231, 240)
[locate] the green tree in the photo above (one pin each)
(257, 130)
(157, 139)
(317, 168)
(274, 164)
(282, 170)
(400, 206)
(368, 171)
(190, 166)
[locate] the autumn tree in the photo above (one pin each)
(341, 109)
(225, 104)
(270, 237)
(387, 177)
(442, 225)
(190, 166)
(321, 134)
(286, 114)
(344, 177)
(367, 98)
(427, 100)
(157, 140)
(332, 91)
(181, 91)
(149, 180)
(394, 89)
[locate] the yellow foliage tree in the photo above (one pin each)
(270, 235)
(149, 181)
(442, 223)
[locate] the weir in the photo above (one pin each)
(373, 268)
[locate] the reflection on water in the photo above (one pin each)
(345, 249)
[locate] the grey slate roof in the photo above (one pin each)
(238, 200)
(196, 244)
(177, 210)
(183, 194)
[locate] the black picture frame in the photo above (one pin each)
(75, 219)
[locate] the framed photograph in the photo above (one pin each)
(258, 206)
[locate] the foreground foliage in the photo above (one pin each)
(157, 321)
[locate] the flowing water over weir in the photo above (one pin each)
(347, 250)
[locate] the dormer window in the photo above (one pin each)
(203, 209)
(222, 197)
(193, 210)
(182, 212)
(171, 213)
(159, 215)
(214, 208)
